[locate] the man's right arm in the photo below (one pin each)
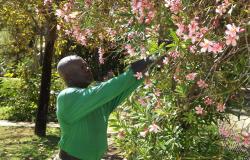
(75, 103)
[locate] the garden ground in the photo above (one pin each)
(18, 142)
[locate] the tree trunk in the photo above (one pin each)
(41, 118)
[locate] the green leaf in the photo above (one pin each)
(181, 90)
(174, 36)
(171, 45)
(153, 47)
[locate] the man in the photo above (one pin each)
(83, 111)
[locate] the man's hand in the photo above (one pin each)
(144, 65)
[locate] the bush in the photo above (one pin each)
(176, 114)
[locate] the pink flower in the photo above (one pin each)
(202, 84)
(192, 49)
(203, 30)
(142, 102)
(225, 133)
(82, 40)
(216, 47)
(181, 29)
(101, 59)
(231, 34)
(130, 50)
(45, 2)
(66, 18)
(237, 138)
(144, 133)
(246, 139)
(165, 60)
(101, 50)
(199, 110)
(231, 40)
(157, 93)
(206, 45)
(220, 107)
(131, 35)
(148, 84)
(154, 128)
(193, 37)
(58, 27)
(191, 76)
(226, 2)
(121, 134)
(221, 9)
(111, 32)
(242, 30)
(101, 53)
(175, 5)
(143, 49)
(143, 10)
(208, 101)
(174, 54)
(151, 15)
(88, 3)
(232, 29)
(138, 75)
(60, 13)
(73, 15)
(193, 27)
(67, 32)
(68, 6)
(88, 32)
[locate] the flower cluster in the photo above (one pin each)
(242, 137)
(154, 128)
(144, 10)
(191, 31)
(194, 33)
(65, 12)
(174, 54)
(175, 6)
(221, 9)
(220, 107)
(209, 46)
(88, 3)
(101, 53)
(130, 50)
(191, 76)
(45, 2)
(232, 34)
(79, 34)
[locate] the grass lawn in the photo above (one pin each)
(20, 143)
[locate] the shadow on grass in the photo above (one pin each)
(21, 143)
(42, 148)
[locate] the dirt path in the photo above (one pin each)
(7, 123)
(25, 124)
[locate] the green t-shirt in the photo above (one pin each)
(83, 115)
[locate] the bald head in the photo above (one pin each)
(75, 71)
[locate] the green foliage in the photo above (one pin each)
(19, 97)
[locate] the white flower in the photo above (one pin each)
(154, 128)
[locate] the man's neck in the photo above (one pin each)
(78, 85)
